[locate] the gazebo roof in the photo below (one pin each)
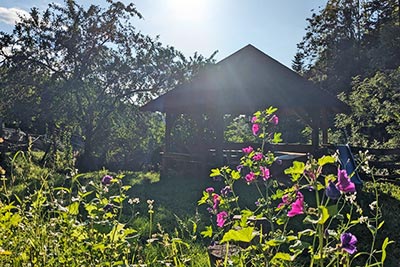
(244, 82)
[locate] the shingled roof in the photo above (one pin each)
(244, 82)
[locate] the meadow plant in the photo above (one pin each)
(86, 222)
(307, 216)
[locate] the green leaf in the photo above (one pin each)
(332, 210)
(242, 235)
(73, 209)
(296, 170)
(279, 257)
(326, 160)
(208, 232)
(215, 172)
(235, 175)
(203, 199)
(277, 138)
(324, 214)
(270, 110)
(380, 225)
(386, 242)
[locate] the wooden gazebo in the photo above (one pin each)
(242, 83)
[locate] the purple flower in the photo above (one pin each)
(297, 206)
(106, 180)
(254, 119)
(247, 150)
(258, 156)
(274, 119)
(108, 207)
(239, 168)
(209, 190)
(226, 190)
(250, 177)
(255, 128)
(332, 191)
(221, 218)
(348, 242)
(265, 173)
(344, 184)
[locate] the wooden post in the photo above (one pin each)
(324, 125)
(315, 131)
(219, 137)
(169, 123)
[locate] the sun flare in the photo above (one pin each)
(188, 10)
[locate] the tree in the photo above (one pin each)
(349, 38)
(375, 118)
(75, 67)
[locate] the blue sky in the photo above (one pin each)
(273, 26)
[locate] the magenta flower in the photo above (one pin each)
(221, 218)
(209, 190)
(254, 119)
(297, 206)
(216, 201)
(258, 156)
(344, 184)
(348, 242)
(265, 173)
(250, 177)
(255, 128)
(285, 201)
(247, 150)
(106, 180)
(274, 119)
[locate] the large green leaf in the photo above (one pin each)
(242, 235)
(326, 160)
(296, 170)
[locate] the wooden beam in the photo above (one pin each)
(170, 119)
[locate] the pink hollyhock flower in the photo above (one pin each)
(297, 206)
(344, 184)
(265, 173)
(285, 201)
(254, 119)
(247, 150)
(258, 156)
(255, 128)
(250, 177)
(221, 218)
(274, 119)
(209, 190)
(216, 201)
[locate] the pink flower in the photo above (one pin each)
(258, 156)
(265, 173)
(254, 119)
(221, 218)
(247, 150)
(255, 128)
(285, 201)
(209, 190)
(250, 177)
(344, 184)
(297, 206)
(216, 201)
(274, 119)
